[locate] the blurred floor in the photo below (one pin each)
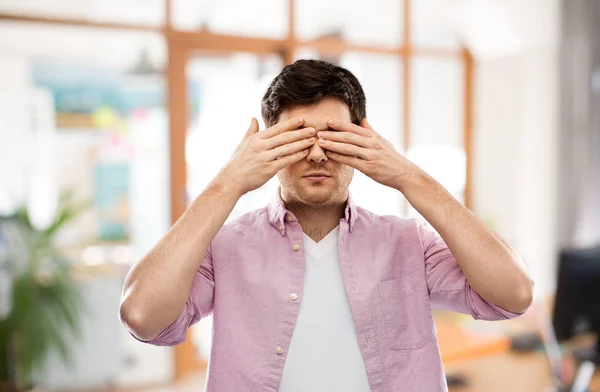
(496, 373)
(194, 383)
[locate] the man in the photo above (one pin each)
(313, 293)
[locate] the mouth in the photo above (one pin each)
(317, 176)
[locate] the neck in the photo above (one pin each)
(317, 221)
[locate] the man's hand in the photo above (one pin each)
(491, 266)
(261, 155)
(364, 149)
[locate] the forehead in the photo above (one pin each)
(317, 115)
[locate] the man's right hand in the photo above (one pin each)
(261, 155)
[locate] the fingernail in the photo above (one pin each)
(322, 141)
(330, 122)
(321, 134)
(311, 140)
(299, 120)
(311, 131)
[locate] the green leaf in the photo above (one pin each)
(45, 314)
(66, 212)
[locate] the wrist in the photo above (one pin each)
(409, 178)
(226, 183)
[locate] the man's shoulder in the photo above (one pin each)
(244, 223)
(370, 219)
(388, 228)
(257, 216)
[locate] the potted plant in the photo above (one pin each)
(39, 302)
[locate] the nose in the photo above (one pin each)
(316, 154)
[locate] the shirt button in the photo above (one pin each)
(279, 350)
(296, 246)
(290, 218)
(281, 228)
(293, 296)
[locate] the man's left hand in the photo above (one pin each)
(366, 150)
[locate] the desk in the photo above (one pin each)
(508, 372)
(487, 363)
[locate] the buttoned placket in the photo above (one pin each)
(363, 318)
(290, 229)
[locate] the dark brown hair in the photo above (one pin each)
(307, 82)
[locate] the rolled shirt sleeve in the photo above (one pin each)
(198, 305)
(447, 284)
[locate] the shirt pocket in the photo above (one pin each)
(406, 312)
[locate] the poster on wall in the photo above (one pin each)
(112, 201)
(110, 122)
(86, 96)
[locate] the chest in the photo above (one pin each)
(272, 266)
(261, 282)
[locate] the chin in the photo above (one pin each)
(317, 195)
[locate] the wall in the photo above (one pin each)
(106, 355)
(15, 98)
(516, 123)
(516, 160)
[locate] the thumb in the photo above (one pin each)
(253, 128)
(365, 124)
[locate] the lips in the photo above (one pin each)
(317, 175)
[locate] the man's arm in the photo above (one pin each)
(491, 266)
(158, 286)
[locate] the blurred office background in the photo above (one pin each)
(130, 107)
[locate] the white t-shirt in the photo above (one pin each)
(324, 355)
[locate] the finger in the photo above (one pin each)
(345, 137)
(345, 148)
(345, 126)
(289, 137)
(290, 148)
(281, 127)
(287, 160)
(252, 129)
(354, 162)
(365, 124)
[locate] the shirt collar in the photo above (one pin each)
(277, 212)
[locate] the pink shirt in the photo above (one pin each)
(395, 271)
